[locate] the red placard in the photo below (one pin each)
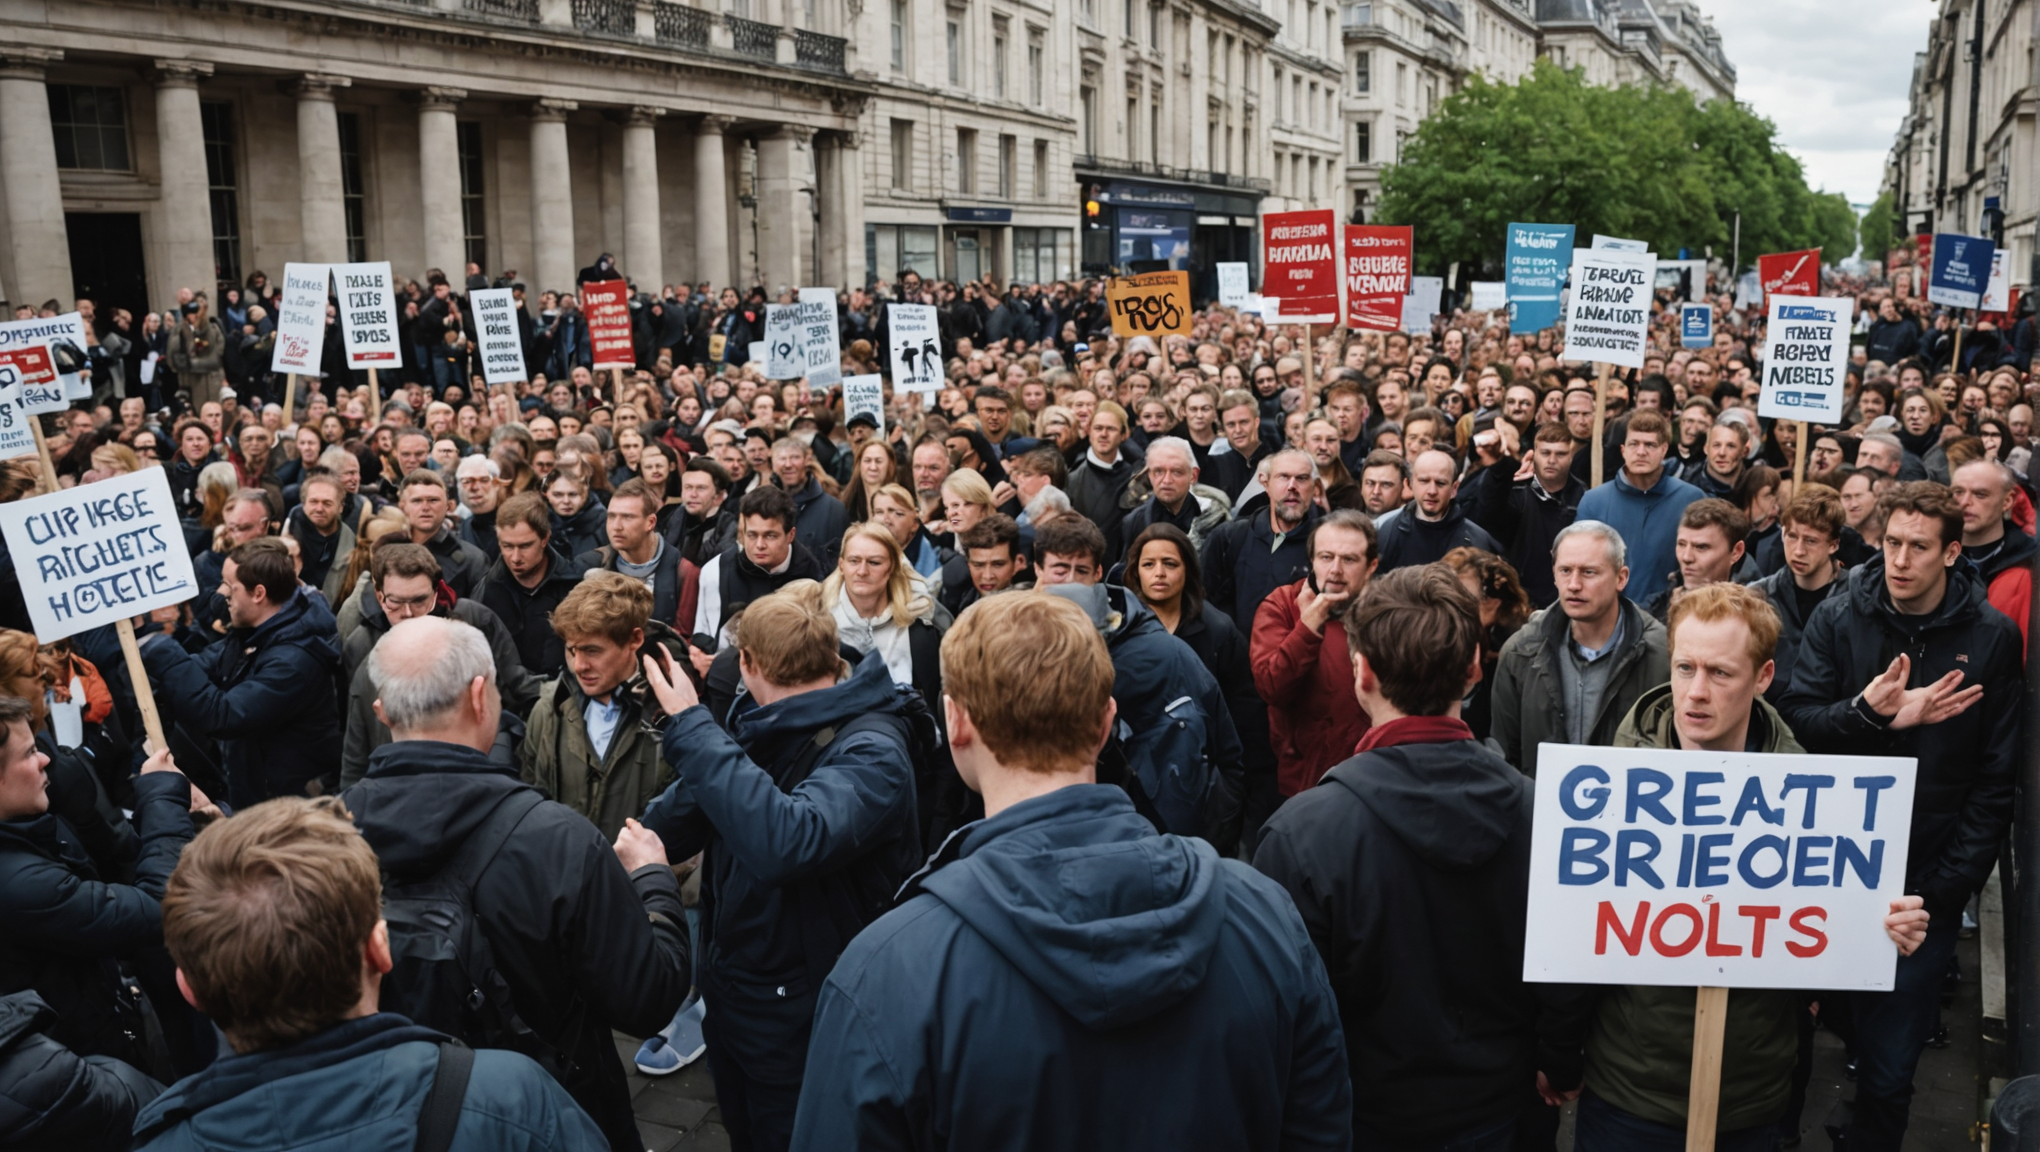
(606, 304)
(1790, 273)
(1300, 265)
(1377, 275)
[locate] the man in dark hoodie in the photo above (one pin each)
(1525, 513)
(1411, 865)
(1432, 524)
(1043, 975)
(1096, 485)
(1911, 660)
(427, 504)
(269, 691)
(805, 808)
(528, 580)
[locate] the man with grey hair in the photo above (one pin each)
(2000, 548)
(1176, 496)
(1883, 452)
(1570, 675)
(1265, 546)
(481, 486)
(587, 936)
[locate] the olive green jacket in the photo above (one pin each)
(558, 758)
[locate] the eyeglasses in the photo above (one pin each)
(405, 601)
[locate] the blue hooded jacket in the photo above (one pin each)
(1043, 981)
(1648, 523)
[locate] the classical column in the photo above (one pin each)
(34, 199)
(711, 204)
(182, 256)
(552, 198)
(780, 207)
(848, 209)
(322, 212)
(828, 195)
(439, 181)
(642, 259)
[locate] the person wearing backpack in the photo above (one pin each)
(805, 809)
(513, 923)
(272, 918)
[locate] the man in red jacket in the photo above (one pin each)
(1983, 490)
(1301, 665)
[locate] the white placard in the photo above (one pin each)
(496, 338)
(1806, 355)
(16, 437)
(98, 553)
(1490, 295)
(821, 344)
(1232, 284)
(368, 315)
(916, 347)
(1257, 304)
(1607, 318)
(1420, 307)
(757, 352)
(1617, 244)
(68, 328)
(1722, 869)
(783, 359)
(1997, 291)
(865, 394)
(301, 319)
(28, 372)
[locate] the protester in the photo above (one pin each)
(1250, 556)
(1811, 532)
(1301, 664)
(427, 505)
(1433, 523)
(636, 550)
(1177, 498)
(767, 557)
(1710, 549)
(1643, 503)
(528, 580)
(1525, 504)
(2001, 550)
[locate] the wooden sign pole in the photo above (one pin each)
(289, 398)
(616, 387)
(374, 398)
(1798, 455)
(42, 451)
(1309, 371)
(1703, 1097)
(1600, 421)
(1955, 365)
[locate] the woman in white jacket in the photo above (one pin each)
(882, 605)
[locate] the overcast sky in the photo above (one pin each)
(1831, 75)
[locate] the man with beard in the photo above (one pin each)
(1246, 558)
(1302, 666)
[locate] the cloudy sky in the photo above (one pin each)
(1832, 76)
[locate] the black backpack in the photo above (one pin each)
(445, 975)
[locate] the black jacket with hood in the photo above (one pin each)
(527, 612)
(54, 1100)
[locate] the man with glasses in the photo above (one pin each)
(481, 490)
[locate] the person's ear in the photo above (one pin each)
(184, 989)
(1105, 729)
(377, 950)
(1765, 675)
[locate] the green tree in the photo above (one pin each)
(1834, 221)
(1879, 228)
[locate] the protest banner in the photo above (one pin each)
(1232, 284)
(496, 338)
(1997, 286)
(1420, 307)
(1806, 357)
(1696, 325)
(1377, 268)
(783, 359)
(1488, 295)
(1300, 267)
(820, 342)
(368, 323)
(28, 377)
(1790, 273)
(865, 394)
(17, 436)
(1608, 321)
(605, 304)
(757, 352)
(916, 347)
(1149, 304)
(300, 327)
(1535, 262)
(1617, 244)
(68, 328)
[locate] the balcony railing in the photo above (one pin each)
(751, 38)
(814, 50)
(677, 24)
(521, 11)
(681, 25)
(615, 17)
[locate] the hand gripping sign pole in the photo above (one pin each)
(1607, 321)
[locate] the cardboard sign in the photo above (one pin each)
(821, 344)
(1299, 265)
(1790, 273)
(68, 328)
(301, 319)
(1150, 304)
(606, 305)
(1806, 356)
(783, 358)
(1617, 244)
(368, 315)
(1232, 284)
(1997, 288)
(496, 338)
(1536, 262)
(1488, 295)
(1377, 275)
(1608, 319)
(16, 437)
(756, 352)
(1420, 307)
(916, 345)
(1696, 325)
(30, 376)
(98, 553)
(1723, 869)
(865, 394)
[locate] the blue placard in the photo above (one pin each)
(1538, 258)
(1696, 325)
(1959, 271)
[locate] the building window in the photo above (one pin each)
(1155, 26)
(1402, 85)
(903, 155)
(474, 233)
(895, 248)
(1041, 255)
(999, 37)
(1276, 91)
(1087, 102)
(1129, 19)
(90, 125)
(966, 161)
(1089, 11)
(1009, 164)
(1363, 143)
(1041, 169)
(216, 122)
(1155, 130)
(1363, 73)
(1313, 179)
(353, 187)
(1035, 65)
(955, 47)
(1132, 126)
(899, 35)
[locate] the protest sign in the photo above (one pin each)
(865, 394)
(68, 328)
(30, 376)
(1377, 269)
(1149, 304)
(605, 304)
(17, 434)
(916, 347)
(1232, 284)
(783, 360)
(1536, 261)
(368, 315)
(98, 553)
(1790, 273)
(1749, 291)
(757, 352)
(1617, 244)
(1997, 287)
(301, 319)
(1716, 869)
(1420, 307)
(820, 342)
(1489, 295)
(1696, 325)
(1806, 355)
(1299, 265)
(1609, 314)
(1686, 278)
(496, 336)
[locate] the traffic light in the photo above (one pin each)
(1094, 212)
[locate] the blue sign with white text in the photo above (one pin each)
(1959, 271)
(1696, 325)
(1537, 261)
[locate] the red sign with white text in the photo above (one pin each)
(1790, 273)
(1300, 265)
(1377, 275)
(606, 305)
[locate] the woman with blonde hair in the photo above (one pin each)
(882, 605)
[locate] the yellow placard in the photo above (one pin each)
(1150, 304)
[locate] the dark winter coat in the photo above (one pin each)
(819, 521)
(1243, 561)
(527, 612)
(1524, 518)
(1779, 589)
(462, 563)
(1224, 651)
(1410, 540)
(1529, 697)
(54, 1100)
(1095, 494)
(584, 531)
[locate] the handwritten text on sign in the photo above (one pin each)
(32, 374)
(301, 320)
(502, 348)
(1150, 304)
(368, 314)
(1377, 275)
(1806, 356)
(606, 307)
(1737, 870)
(916, 347)
(1609, 313)
(98, 553)
(1300, 266)
(820, 344)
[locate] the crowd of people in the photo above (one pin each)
(1128, 743)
